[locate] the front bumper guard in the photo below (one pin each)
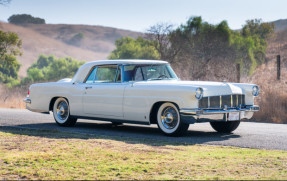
(207, 115)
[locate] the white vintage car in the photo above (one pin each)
(143, 92)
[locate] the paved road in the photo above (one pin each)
(248, 135)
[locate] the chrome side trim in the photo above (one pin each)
(27, 101)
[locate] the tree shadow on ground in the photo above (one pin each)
(132, 134)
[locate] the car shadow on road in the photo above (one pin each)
(132, 134)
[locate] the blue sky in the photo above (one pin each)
(138, 15)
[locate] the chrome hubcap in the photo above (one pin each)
(62, 110)
(169, 117)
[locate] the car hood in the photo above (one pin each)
(210, 88)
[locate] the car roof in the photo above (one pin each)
(132, 61)
(84, 69)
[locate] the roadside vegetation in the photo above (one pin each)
(206, 51)
(52, 155)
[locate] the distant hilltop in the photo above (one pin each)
(280, 24)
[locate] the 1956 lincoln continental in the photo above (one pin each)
(143, 92)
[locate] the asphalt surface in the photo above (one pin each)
(247, 135)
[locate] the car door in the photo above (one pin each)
(103, 96)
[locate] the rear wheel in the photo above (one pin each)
(61, 112)
(225, 127)
(168, 120)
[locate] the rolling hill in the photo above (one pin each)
(280, 24)
(50, 39)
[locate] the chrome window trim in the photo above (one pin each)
(118, 66)
(237, 99)
(220, 101)
(88, 74)
(231, 101)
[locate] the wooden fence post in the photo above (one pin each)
(238, 72)
(278, 67)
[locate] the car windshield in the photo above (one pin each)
(148, 72)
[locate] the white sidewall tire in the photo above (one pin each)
(57, 119)
(160, 124)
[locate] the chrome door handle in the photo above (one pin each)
(89, 87)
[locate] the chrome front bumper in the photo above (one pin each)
(208, 115)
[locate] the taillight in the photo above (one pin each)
(28, 94)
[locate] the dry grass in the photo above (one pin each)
(273, 92)
(12, 98)
(45, 155)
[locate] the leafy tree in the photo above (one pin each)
(43, 61)
(251, 44)
(257, 28)
(36, 74)
(10, 45)
(129, 48)
(25, 18)
(203, 45)
(49, 68)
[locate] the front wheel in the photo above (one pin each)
(168, 120)
(61, 112)
(225, 127)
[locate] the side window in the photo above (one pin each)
(106, 74)
(91, 77)
(128, 73)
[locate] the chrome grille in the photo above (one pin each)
(220, 101)
(203, 102)
(214, 101)
(226, 100)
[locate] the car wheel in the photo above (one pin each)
(61, 112)
(168, 120)
(225, 127)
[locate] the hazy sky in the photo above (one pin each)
(138, 15)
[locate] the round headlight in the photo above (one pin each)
(255, 90)
(199, 93)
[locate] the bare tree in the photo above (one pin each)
(161, 34)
